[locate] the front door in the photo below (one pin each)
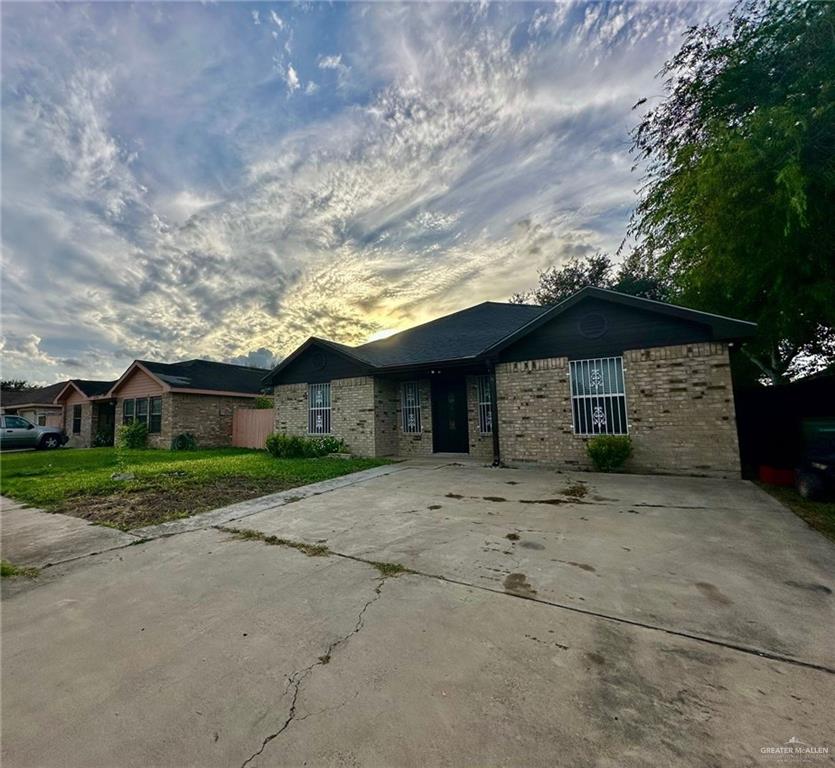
(106, 425)
(449, 416)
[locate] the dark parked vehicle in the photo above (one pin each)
(815, 477)
(17, 432)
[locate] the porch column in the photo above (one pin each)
(494, 412)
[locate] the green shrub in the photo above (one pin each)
(134, 435)
(296, 447)
(185, 441)
(609, 452)
(102, 440)
(262, 402)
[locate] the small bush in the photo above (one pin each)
(102, 440)
(133, 435)
(263, 402)
(609, 452)
(296, 447)
(185, 441)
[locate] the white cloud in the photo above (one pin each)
(277, 20)
(256, 17)
(292, 79)
(330, 62)
(472, 162)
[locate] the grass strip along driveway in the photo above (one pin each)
(160, 485)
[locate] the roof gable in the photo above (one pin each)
(319, 360)
(87, 388)
(721, 328)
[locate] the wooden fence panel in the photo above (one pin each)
(252, 426)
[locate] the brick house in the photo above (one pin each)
(88, 412)
(196, 396)
(518, 383)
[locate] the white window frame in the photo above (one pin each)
(410, 421)
(319, 410)
(485, 405)
(595, 404)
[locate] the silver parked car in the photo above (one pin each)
(17, 432)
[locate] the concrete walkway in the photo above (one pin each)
(31, 537)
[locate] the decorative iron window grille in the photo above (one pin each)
(485, 406)
(319, 409)
(598, 396)
(410, 406)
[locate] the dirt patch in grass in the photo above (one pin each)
(153, 503)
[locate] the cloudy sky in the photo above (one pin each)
(224, 180)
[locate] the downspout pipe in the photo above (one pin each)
(494, 412)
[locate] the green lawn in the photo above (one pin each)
(819, 514)
(166, 484)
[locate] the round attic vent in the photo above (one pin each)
(318, 361)
(592, 325)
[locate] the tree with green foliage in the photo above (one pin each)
(14, 385)
(737, 208)
(632, 276)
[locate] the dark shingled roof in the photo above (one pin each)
(486, 329)
(92, 387)
(457, 336)
(37, 395)
(205, 374)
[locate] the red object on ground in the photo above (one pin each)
(775, 476)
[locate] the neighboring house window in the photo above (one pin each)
(485, 406)
(127, 411)
(598, 396)
(319, 409)
(41, 420)
(142, 410)
(155, 422)
(76, 419)
(410, 397)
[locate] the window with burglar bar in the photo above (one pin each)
(319, 409)
(598, 396)
(410, 406)
(485, 406)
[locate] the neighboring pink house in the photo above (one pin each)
(88, 412)
(194, 396)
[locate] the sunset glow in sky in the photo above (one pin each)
(224, 180)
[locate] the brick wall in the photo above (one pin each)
(386, 417)
(365, 413)
(679, 404)
(352, 413)
(207, 417)
(353, 416)
(481, 444)
(681, 410)
(88, 427)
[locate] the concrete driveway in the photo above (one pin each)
(550, 619)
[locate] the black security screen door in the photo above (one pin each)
(449, 416)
